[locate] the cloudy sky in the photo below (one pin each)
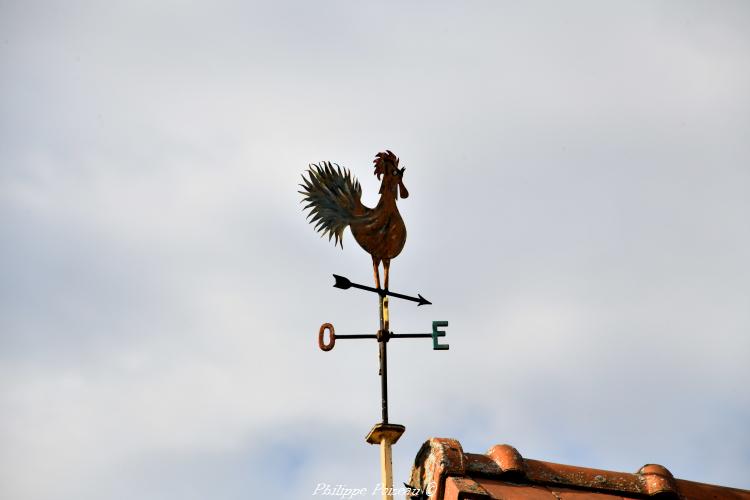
(579, 177)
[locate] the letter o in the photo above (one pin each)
(332, 337)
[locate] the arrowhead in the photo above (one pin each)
(423, 301)
(341, 282)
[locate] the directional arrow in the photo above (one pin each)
(345, 284)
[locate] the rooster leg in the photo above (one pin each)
(381, 298)
(376, 271)
(384, 303)
(375, 264)
(386, 267)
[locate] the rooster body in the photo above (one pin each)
(333, 196)
(381, 230)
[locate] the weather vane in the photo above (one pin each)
(333, 197)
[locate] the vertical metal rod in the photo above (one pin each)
(384, 379)
(384, 325)
(386, 463)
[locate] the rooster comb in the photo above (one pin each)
(381, 159)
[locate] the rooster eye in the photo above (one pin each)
(395, 172)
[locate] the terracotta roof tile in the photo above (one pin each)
(502, 473)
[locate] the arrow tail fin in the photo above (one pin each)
(341, 282)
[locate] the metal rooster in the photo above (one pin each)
(333, 196)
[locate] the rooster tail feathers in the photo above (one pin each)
(333, 195)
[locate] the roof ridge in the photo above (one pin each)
(442, 464)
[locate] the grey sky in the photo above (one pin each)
(579, 213)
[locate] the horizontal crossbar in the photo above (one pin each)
(391, 335)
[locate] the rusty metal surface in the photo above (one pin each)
(333, 197)
(334, 200)
(504, 473)
(321, 337)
